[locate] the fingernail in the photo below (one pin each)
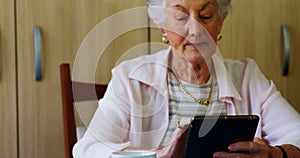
(231, 147)
(218, 155)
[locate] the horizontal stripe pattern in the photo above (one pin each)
(182, 105)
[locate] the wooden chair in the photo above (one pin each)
(72, 92)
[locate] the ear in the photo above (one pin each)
(222, 19)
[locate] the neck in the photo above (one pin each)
(194, 73)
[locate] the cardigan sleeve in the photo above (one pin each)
(280, 122)
(108, 129)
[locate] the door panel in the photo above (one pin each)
(64, 26)
(291, 82)
(8, 92)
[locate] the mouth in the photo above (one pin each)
(196, 44)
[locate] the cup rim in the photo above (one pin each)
(137, 152)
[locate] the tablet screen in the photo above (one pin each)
(209, 134)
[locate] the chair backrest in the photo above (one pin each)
(71, 92)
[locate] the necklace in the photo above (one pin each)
(204, 102)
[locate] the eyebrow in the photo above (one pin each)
(205, 5)
(182, 8)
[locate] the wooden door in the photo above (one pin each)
(8, 91)
(64, 26)
(291, 84)
(253, 29)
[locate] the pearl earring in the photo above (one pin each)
(165, 40)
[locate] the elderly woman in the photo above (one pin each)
(149, 95)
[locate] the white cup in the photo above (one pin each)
(134, 154)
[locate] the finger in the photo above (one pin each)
(178, 135)
(184, 122)
(251, 147)
(182, 136)
(231, 155)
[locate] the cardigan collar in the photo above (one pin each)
(153, 72)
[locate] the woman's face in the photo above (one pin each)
(192, 27)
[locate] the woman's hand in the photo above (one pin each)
(176, 144)
(174, 149)
(257, 148)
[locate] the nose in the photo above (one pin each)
(195, 28)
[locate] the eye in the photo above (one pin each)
(206, 17)
(179, 16)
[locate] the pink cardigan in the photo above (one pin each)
(134, 111)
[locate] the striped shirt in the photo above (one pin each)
(182, 105)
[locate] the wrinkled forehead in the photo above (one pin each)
(190, 4)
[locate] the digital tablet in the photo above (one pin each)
(209, 134)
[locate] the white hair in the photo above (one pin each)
(156, 10)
